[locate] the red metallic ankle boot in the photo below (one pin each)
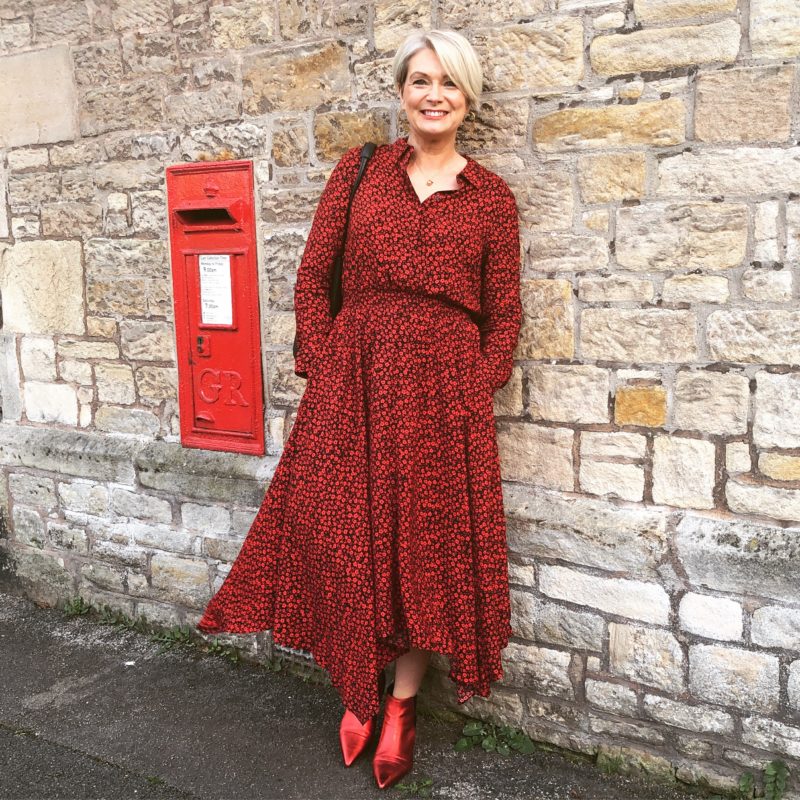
(353, 736)
(394, 756)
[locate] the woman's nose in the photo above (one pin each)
(435, 91)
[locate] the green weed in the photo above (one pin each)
(500, 739)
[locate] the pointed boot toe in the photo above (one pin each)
(394, 756)
(353, 736)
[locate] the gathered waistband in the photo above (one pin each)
(364, 295)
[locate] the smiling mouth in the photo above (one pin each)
(433, 114)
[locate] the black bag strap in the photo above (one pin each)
(335, 294)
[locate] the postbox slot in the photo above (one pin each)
(206, 217)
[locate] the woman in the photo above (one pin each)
(382, 534)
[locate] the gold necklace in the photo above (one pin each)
(428, 181)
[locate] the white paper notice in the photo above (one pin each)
(216, 306)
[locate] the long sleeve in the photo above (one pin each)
(501, 306)
(311, 293)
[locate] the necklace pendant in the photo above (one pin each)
(429, 182)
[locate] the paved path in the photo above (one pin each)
(78, 720)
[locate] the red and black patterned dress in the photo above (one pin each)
(383, 527)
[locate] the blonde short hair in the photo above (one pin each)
(457, 55)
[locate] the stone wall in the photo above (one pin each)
(650, 433)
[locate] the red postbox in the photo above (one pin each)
(215, 291)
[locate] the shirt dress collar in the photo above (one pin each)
(403, 151)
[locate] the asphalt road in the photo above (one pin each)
(95, 711)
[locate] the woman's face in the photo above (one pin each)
(434, 105)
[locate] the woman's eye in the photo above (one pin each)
(418, 81)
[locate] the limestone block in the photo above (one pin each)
(241, 25)
(658, 49)
(77, 348)
(641, 405)
(336, 132)
(658, 124)
(458, 15)
(776, 626)
(500, 124)
(142, 506)
(42, 287)
(547, 54)
(547, 326)
(154, 384)
(539, 669)
(50, 402)
(35, 491)
(84, 498)
(222, 477)
(703, 719)
(114, 419)
(625, 481)
(43, 577)
(565, 252)
(568, 393)
(583, 530)
(544, 199)
(611, 697)
(646, 655)
(374, 81)
(27, 192)
(37, 97)
(729, 171)
(10, 391)
(115, 383)
(551, 623)
(99, 108)
(533, 454)
(4, 207)
(794, 684)
(737, 457)
(180, 580)
(38, 358)
(67, 453)
(683, 472)
(696, 289)
(768, 501)
(65, 537)
(29, 528)
(98, 63)
(290, 146)
(777, 423)
(615, 289)
(224, 141)
(643, 335)
(729, 676)
(217, 104)
(741, 557)
(768, 336)
(141, 16)
(627, 730)
(393, 22)
(772, 736)
(681, 236)
(72, 218)
(750, 104)
(209, 519)
(147, 341)
(28, 158)
(774, 28)
(149, 213)
(712, 617)
(297, 78)
(628, 598)
(104, 576)
(712, 402)
(601, 445)
(611, 177)
(779, 467)
(666, 10)
(767, 286)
